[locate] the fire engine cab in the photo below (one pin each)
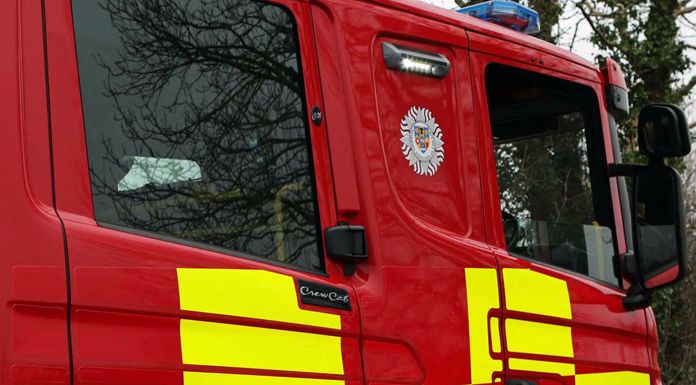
(323, 192)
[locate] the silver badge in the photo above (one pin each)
(421, 141)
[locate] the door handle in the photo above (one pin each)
(347, 244)
(520, 382)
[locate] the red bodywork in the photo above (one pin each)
(102, 305)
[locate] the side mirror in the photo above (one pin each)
(658, 231)
(658, 226)
(663, 132)
(657, 205)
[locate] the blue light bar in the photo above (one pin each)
(506, 13)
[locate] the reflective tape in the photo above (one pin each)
(482, 296)
(196, 378)
(538, 338)
(228, 345)
(256, 294)
(532, 292)
(613, 378)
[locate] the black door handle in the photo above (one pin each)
(520, 382)
(347, 244)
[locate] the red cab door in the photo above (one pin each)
(194, 190)
(553, 218)
(406, 145)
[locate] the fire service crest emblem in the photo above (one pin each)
(421, 141)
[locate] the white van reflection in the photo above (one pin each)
(157, 171)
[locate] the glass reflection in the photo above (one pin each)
(195, 123)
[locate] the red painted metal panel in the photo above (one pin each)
(411, 290)
(33, 288)
(380, 357)
(653, 348)
(613, 75)
(443, 206)
(72, 189)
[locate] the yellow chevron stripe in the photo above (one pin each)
(538, 338)
(531, 292)
(560, 368)
(197, 378)
(613, 378)
(257, 294)
(216, 344)
(482, 295)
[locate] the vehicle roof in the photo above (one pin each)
(449, 16)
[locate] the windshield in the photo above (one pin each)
(550, 164)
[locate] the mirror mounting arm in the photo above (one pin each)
(623, 169)
(654, 160)
(637, 296)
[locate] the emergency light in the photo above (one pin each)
(506, 13)
(415, 61)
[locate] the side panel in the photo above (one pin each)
(559, 327)
(150, 311)
(33, 289)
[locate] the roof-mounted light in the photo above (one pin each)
(506, 13)
(415, 61)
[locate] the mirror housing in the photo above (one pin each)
(658, 226)
(659, 231)
(663, 132)
(616, 89)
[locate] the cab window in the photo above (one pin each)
(550, 164)
(196, 125)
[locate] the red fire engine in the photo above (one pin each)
(323, 192)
